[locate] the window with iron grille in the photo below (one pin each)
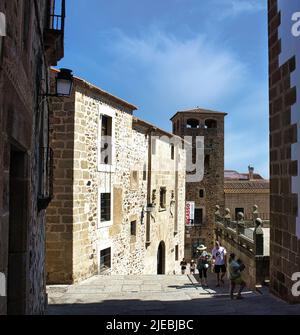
(105, 206)
(133, 228)
(163, 197)
(45, 180)
(57, 13)
(176, 253)
(198, 216)
(105, 260)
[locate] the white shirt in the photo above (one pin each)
(219, 255)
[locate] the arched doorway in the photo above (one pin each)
(161, 254)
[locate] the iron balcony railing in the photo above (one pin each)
(57, 15)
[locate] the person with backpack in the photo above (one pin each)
(235, 276)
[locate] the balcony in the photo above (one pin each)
(54, 31)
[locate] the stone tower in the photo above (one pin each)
(209, 192)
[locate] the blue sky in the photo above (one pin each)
(168, 55)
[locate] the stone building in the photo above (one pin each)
(31, 44)
(205, 193)
(119, 186)
(243, 190)
(284, 60)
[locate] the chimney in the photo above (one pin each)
(251, 172)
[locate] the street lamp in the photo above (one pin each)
(64, 83)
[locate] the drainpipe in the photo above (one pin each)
(149, 188)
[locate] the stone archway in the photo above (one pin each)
(161, 259)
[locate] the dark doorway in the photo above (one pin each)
(18, 225)
(161, 259)
(239, 210)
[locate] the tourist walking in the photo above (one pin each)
(235, 276)
(192, 267)
(183, 265)
(203, 264)
(219, 261)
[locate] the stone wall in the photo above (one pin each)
(246, 201)
(23, 132)
(285, 245)
(76, 234)
(59, 214)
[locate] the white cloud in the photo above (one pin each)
(187, 73)
(237, 7)
(172, 74)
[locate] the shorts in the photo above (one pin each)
(220, 268)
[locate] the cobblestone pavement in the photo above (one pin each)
(159, 295)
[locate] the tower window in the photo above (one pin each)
(201, 193)
(211, 124)
(192, 124)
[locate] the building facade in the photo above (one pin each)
(119, 187)
(31, 44)
(207, 191)
(243, 191)
(284, 53)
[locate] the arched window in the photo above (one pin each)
(210, 124)
(192, 124)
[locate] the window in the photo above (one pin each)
(172, 151)
(192, 124)
(176, 253)
(211, 124)
(105, 260)
(133, 228)
(105, 206)
(163, 197)
(198, 216)
(134, 180)
(145, 172)
(207, 162)
(106, 140)
(153, 146)
(201, 193)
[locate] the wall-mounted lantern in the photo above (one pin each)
(63, 84)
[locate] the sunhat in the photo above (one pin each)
(202, 247)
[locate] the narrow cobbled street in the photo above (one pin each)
(159, 295)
